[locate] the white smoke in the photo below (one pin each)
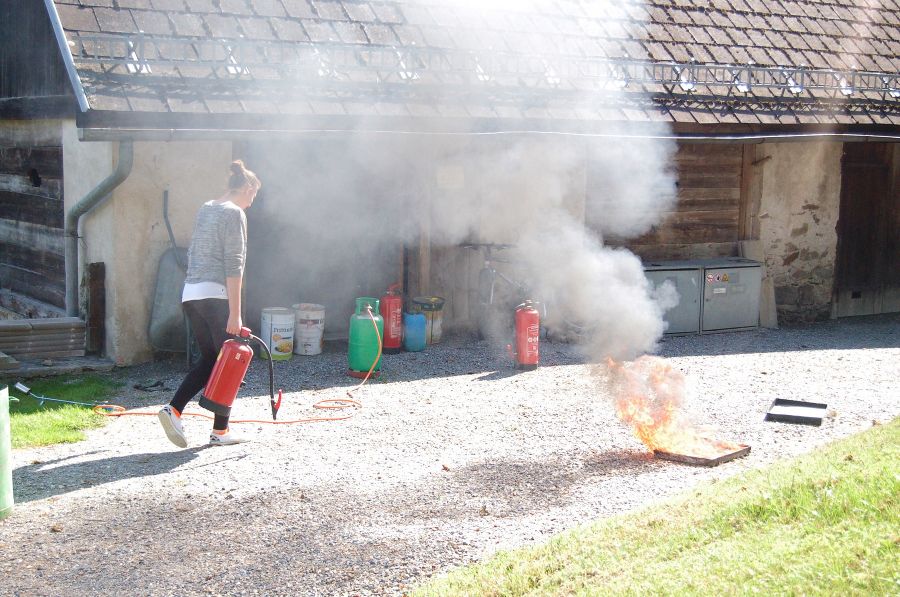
(555, 196)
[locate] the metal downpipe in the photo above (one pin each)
(94, 198)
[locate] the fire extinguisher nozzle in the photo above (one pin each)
(276, 404)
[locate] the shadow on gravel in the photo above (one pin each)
(458, 355)
(43, 479)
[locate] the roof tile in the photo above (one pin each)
(169, 5)
(739, 37)
(741, 56)
(797, 42)
(187, 24)
(319, 31)
(79, 19)
(152, 22)
(779, 57)
(298, 9)
(409, 35)
(700, 17)
(658, 51)
(222, 26)
(681, 34)
(268, 8)
(680, 16)
(633, 49)
(721, 19)
(288, 30)
(678, 52)
(360, 12)
(201, 6)
(759, 56)
(351, 33)
(795, 25)
(115, 21)
(812, 25)
(721, 38)
(387, 13)
(333, 11)
(739, 20)
(721, 54)
(381, 35)
(236, 7)
(758, 38)
(257, 28)
(700, 53)
(658, 32)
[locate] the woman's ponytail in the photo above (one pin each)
(240, 177)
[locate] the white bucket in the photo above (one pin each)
(277, 330)
(309, 326)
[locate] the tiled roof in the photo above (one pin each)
(800, 61)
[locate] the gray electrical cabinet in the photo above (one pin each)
(731, 288)
(686, 277)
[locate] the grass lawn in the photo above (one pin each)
(53, 423)
(827, 523)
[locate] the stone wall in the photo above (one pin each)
(801, 186)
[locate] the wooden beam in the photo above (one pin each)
(751, 194)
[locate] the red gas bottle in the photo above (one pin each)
(391, 309)
(528, 329)
(227, 374)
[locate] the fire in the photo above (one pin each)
(649, 396)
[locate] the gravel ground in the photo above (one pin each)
(453, 456)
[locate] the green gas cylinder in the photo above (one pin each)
(365, 341)
(6, 488)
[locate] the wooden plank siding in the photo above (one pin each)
(33, 67)
(705, 221)
(32, 254)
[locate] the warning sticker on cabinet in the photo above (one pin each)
(719, 290)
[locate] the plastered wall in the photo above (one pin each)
(801, 186)
(128, 232)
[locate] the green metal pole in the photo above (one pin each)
(6, 487)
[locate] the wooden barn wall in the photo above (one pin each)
(32, 66)
(705, 221)
(32, 260)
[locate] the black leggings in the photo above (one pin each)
(209, 318)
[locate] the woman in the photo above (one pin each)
(212, 294)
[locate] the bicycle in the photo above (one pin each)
(498, 294)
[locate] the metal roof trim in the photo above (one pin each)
(66, 55)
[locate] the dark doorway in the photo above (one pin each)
(868, 253)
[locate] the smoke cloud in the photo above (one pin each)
(341, 205)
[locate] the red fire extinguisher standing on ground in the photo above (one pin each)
(229, 371)
(528, 329)
(391, 308)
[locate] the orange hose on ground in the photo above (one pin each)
(114, 410)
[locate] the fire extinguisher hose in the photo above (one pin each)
(272, 402)
(114, 410)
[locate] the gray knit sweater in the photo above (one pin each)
(219, 243)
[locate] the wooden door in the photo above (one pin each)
(867, 260)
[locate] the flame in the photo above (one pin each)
(649, 396)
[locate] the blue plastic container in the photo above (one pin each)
(413, 332)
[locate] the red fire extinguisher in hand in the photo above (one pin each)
(528, 330)
(229, 371)
(391, 308)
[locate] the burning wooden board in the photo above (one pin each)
(706, 460)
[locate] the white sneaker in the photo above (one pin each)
(226, 439)
(172, 426)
